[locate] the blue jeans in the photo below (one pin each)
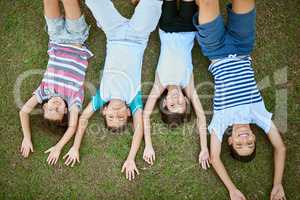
(218, 40)
(66, 31)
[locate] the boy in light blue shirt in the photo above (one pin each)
(119, 95)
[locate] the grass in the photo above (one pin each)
(176, 174)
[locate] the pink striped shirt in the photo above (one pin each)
(65, 74)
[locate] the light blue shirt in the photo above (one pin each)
(255, 113)
(175, 65)
(121, 77)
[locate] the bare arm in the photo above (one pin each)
(155, 93)
(54, 151)
(83, 122)
(129, 166)
(215, 150)
(191, 93)
(279, 161)
(138, 134)
(27, 146)
(73, 155)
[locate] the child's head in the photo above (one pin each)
(55, 109)
(242, 143)
(116, 115)
(174, 107)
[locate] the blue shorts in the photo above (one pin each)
(66, 31)
(218, 40)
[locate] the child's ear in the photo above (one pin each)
(164, 103)
(229, 140)
(44, 106)
(104, 110)
(66, 110)
(128, 112)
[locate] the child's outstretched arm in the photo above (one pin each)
(73, 155)
(54, 151)
(279, 160)
(191, 93)
(26, 145)
(129, 166)
(215, 152)
(157, 90)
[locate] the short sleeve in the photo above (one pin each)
(136, 103)
(261, 117)
(40, 94)
(218, 126)
(77, 99)
(97, 101)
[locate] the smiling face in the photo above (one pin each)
(116, 114)
(55, 109)
(242, 139)
(175, 101)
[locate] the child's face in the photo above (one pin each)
(175, 101)
(54, 109)
(242, 139)
(116, 114)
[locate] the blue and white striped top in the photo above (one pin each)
(237, 98)
(235, 84)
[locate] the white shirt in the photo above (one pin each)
(121, 78)
(175, 65)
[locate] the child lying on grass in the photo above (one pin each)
(174, 75)
(61, 91)
(237, 101)
(119, 95)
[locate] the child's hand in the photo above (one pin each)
(130, 168)
(26, 147)
(277, 192)
(53, 156)
(72, 157)
(204, 158)
(149, 154)
(236, 195)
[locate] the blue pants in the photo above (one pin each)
(218, 40)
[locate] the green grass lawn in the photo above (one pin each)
(176, 173)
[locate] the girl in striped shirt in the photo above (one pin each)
(237, 101)
(61, 91)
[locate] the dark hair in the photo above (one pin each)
(234, 153)
(54, 124)
(240, 158)
(173, 119)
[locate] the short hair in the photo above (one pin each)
(234, 153)
(116, 129)
(173, 119)
(240, 158)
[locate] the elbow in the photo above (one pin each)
(214, 159)
(282, 148)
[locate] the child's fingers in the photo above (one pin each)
(78, 159)
(69, 160)
(123, 168)
(207, 163)
(132, 175)
(47, 151)
(154, 157)
(73, 163)
(137, 171)
(65, 156)
(127, 174)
